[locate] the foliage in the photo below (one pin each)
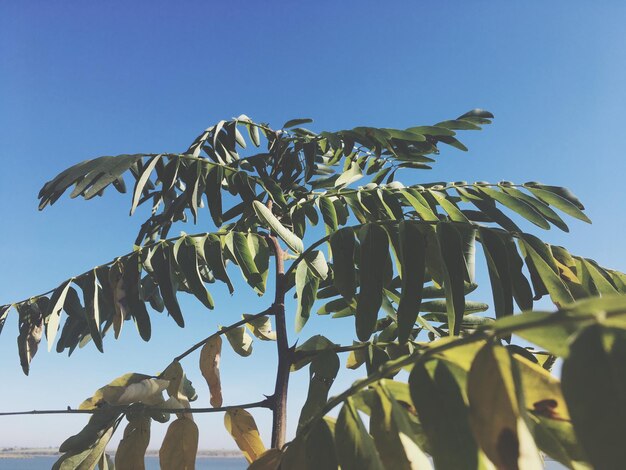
(398, 259)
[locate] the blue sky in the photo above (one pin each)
(83, 79)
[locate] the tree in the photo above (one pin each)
(399, 259)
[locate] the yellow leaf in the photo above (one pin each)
(180, 446)
(132, 448)
(240, 341)
(495, 417)
(116, 280)
(270, 460)
(261, 327)
(542, 390)
(240, 424)
(210, 368)
(176, 376)
(113, 390)
(143, 391)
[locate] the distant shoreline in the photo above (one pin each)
(27, 453)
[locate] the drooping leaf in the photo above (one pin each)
(210, 367)
(443, 413)
(53, 315)
(374, 253)
(412, 254)
(495, 415)
(454, 269)
(131, 451)
(237, 243)
(322, 373)
(241, 425)
(594, 386)
(30, 328)
(100, 423)
(393, 434)
(306, 289)
(240, 341)
(87, 458)
(559, 202)
(186, 255)
(499, 272)
(522, 208)
(162, 265)
(355, 447)
(180, 445)
(343, 245)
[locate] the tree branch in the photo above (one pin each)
(279, 399)
(257, 404)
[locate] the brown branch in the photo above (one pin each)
(279, 398)
(258, 404)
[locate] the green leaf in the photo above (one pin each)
(316, 262)
(355, 447)
(454, 269)
(374, 255)
(559, 202)
(594, 386)
(352, 174)
(557, 289)
(320, 447)
(91, 292)
(187, 261)
(539, 206)
(214, 256)
(499, 271)
(455, 214)
(443, 413)
(213, 191)
(240, 341)
(306, 289)
(296, 122)
(132, 289)
(140, 184)
(322, 373)
(270, 221)
(317, 343)
(53, 316)
(521, 288)
(86, 459)
(603, 285)
(237, 243)
(329, 214)
(162, 265)
(394, 435)
(519, 206)
(343, 246)
(412, 254)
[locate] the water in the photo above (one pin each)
(152, 463)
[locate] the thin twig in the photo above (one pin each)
(258, 404)
(267, 311)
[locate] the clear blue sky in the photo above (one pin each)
(83, 79)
